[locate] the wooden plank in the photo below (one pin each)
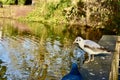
(109, 42)
(114, 73)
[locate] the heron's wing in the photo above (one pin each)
(92, 44)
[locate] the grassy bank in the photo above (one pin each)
(48, 12)
(101, 15)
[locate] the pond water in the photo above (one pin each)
(37, 51)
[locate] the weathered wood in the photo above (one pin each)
(114, 73)
(109, 42)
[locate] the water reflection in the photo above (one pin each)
(79, 55)
(38, 51)
(22, 58)
(17, 56)
(2, 71)
(56, 58)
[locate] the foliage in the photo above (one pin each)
(21, 2)
(12, 2)
(91, 13)
(114, 17)
(74, 12)
(7, 1)
(95, 14)
(1, 1)
(49, 11)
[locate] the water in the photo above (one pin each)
(37, 51)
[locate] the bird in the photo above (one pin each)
(74, 73)
(91, 47)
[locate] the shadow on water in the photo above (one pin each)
(36, 51)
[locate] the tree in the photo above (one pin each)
(94, 13)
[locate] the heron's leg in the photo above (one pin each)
(89, 58)
(92, 58)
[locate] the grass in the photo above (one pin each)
(51, 12)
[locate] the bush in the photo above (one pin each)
(21, 2)
(12, 2)
(49, 11)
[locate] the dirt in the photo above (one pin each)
(22, 10)
(15, 11)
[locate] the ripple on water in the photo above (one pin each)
(26, 59)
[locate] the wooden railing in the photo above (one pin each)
(115, 66)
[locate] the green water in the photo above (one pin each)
(37, 51)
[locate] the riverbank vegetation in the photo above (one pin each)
(49, 11)
(95, 14)
(85, 13)
(16, 2)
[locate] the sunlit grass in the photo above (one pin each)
(51, 12)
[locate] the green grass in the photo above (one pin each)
(21, 2)
(48, 12)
